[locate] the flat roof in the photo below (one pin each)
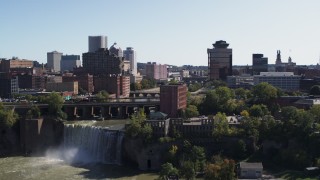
(250, 165)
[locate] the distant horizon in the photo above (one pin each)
(166, 32)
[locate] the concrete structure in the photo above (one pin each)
(219, 61)
(68, 62)
(102, 62)
(259, 64)
(156, 71)
(284, 80)
(282, 66)
(97, 42)
(250, 170)
(64, 86)
(240, 81)
(130, 55)
(27, 81)
(173, 98)
(54, 60)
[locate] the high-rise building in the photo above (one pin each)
(156, 71)
(219, 61)
(102, 62)
(68, 62)
(54, 60)
(8, 85)
(97, 42)
(173, 98)
(130, 55)
(259, 64)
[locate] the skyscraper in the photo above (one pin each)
(97, 42)
(54, 60)
(130, 55)
(259, 64)
(219, 61)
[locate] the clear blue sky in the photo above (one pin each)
(174, 32)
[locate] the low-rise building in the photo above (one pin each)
(250, 170)
(284, 80)
(64, 86)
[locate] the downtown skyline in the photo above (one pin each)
(166, 32)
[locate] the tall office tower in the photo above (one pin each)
(54, 60)
(102, 62)
(130, 55)
(68, 62)
(156, 71)
(97, 42)
(259, 64)
(173, 98)
(116, 50)
(219, 61)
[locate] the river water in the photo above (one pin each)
(54, 166)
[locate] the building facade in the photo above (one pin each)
(8, 86)
(54, 60)
(15, 63)
(118, 85)
(64, 86)
(68, 62)
(130, 55)
(102, 62)
(284, 80)
(240, 81)
(156, 71)
(97, 42)
(259, 64)
(173, 98)
(219, 61)
(85, 81)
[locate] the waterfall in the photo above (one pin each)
(95, 143)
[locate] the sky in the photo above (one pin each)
(175, 32)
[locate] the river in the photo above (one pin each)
(54, 166)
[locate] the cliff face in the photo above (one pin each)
(9, 142)
(146, 156)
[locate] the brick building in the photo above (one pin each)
(85, 81)
(173, 98)
(118, 85)
(156, 71)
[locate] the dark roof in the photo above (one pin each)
(251, 165)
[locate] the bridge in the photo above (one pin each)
(112, 108)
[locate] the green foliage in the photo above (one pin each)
(220, 169)
(7, 117)
(239, 149)
(218, 100)
(221, 125)
(102, 96)
(187, 170)
(315, 111)
(258, 110)
(315, 90)
(191, 111)
(289, 113)
(264, 92)
(194, 87)
(215, 84)
(148, 83)
(33, 112)
(138, 128)
(166, 170)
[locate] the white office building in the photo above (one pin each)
(54, 60)
(284, 80)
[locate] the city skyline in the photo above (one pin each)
(166, 32)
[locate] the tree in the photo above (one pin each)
(55, 102)
(221, 125)
(220, 169)
(258, 110)
(167, 169)
(33, 112)
(289, 113)
(315, 90)
(191, 111)
(244, 113)
(138, 127)
(102, 96)
(239, 149)
(264, 93)
(187, 170)
(7, 117)
(315, 111)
